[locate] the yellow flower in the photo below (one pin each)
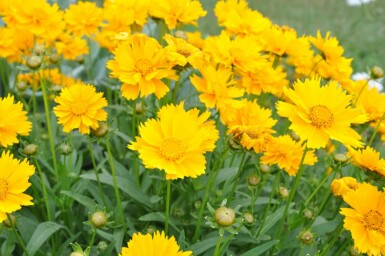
(14, 177)
(13, 121)
(287, 153)
(368, 159)
(141, 64)
(157, 245)
(177, 12)
(342, 186)
(168, 144)
(370, 100)
(217, 88)
(83, 18)
(252, 125)
(319, 113)
(71, 47)
(80, 107)
(180, 52)
(7, 42)
(366, 219)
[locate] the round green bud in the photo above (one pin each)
(99, 219)
(30, 149)
(224, 216)
(34, 62)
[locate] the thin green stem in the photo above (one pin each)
(230, 197)
(133, 132)
(17, 235)
(44, 189)
(291, 195)
(48, 120)
(252, 201)
(376, 129)
(175, 91)
(117, 194)
(229, 238)
(93, 237)
(217, 251)
(337, 233)
(96, 171)
(91, 69)
(316, 191)
(167, 206)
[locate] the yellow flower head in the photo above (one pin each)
(7, 42)
(177, 12)
(140, 63)
(319, 113)
(368, 159)
(71, 47)
(342, 186)
(366, 218)
(83, 18)
(252, 125)
(14, 177)
(80, 107)
(153, 245)
(13, 121)
(287, 153)
(168, 144)
(369, 100)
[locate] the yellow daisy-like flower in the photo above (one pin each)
(177, 12)
(13, 182)
(368, 159)
(287, 153)
(366, 219)
(342, 186)
(319, 113)
(13, 121)
(168, 144)
(141, 64)
(83, 18)
(80, 107)
(252, 125)
(157, 245)
(71, 47)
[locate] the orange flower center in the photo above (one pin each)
(79, 108)
(143, 66)
(373, 220)
(320, 116)
(3, 189)
(172, 149)
(186, 53)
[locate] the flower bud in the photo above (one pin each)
(102, 245)
(80, 59)
(65, 149)
(150, 229)
(233, 142)
(248, 218)
(99, 219)
(340, 158)
(283, 192)
(8, 224)
(197, 204)
(139, 108)
(54, 58)
(179, 212)
(34, 62)
(264, 168)
(376, 72)
(39, 49)
(21, 85)
(253, 180)
(353, 252)
(306, 237)
(181, 34)
(30, 149)
(295, 136)
(101, 130)
(76, 254)
(219, 192)
(224, 216)
(308, 214)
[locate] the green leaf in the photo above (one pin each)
(41, 234)
(159, 216)
(203, 246)
(274, 218)
(260, 249)
(84, 200)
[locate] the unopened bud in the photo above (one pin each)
(139, 108)
(233, 142)
(253, 180)
(353, 252)
(79, 59)
(101, 130)
(295, 136)
(54, 58)
(264, 168)
(283, 192)
(9, 224)
(341, 158)
(30, 149)
(34, 62)
(150, 229)
(248, 218)
(306, 237)
(21, 85)
(39, 49)
(76, 254)
(99, 219)
(308, 214)
(179, 212)
(376, 72)
(197, 204)
(181, 34)
(102, 245)
(65, 149)
(224, 216)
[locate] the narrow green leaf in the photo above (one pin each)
(41, 234)
(274, 218)
(260, 249)
(204, 245)
(84, 200)
(160, 217)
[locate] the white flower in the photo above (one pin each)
(358, 2)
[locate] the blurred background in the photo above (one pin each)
(359, 29)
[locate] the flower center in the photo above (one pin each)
(172, 149)
(373, 220)
(143, 66)
(320, 116)
(3, 189)
(184, 52)
(79, 108)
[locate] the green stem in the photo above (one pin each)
(291, 195)
(17, 235)
(337, 233)
(175, 92)
(96, 171)
(133, 132)
(93, 237)
(316, 190)
(34, 111)
(211, 179)
(376, 130)
(229, 238)
(91, 69)
(117, 194)
(167, 206)
(252, 201)
(44, 189)
(217, 251)
(48, 120)
(230, 197)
